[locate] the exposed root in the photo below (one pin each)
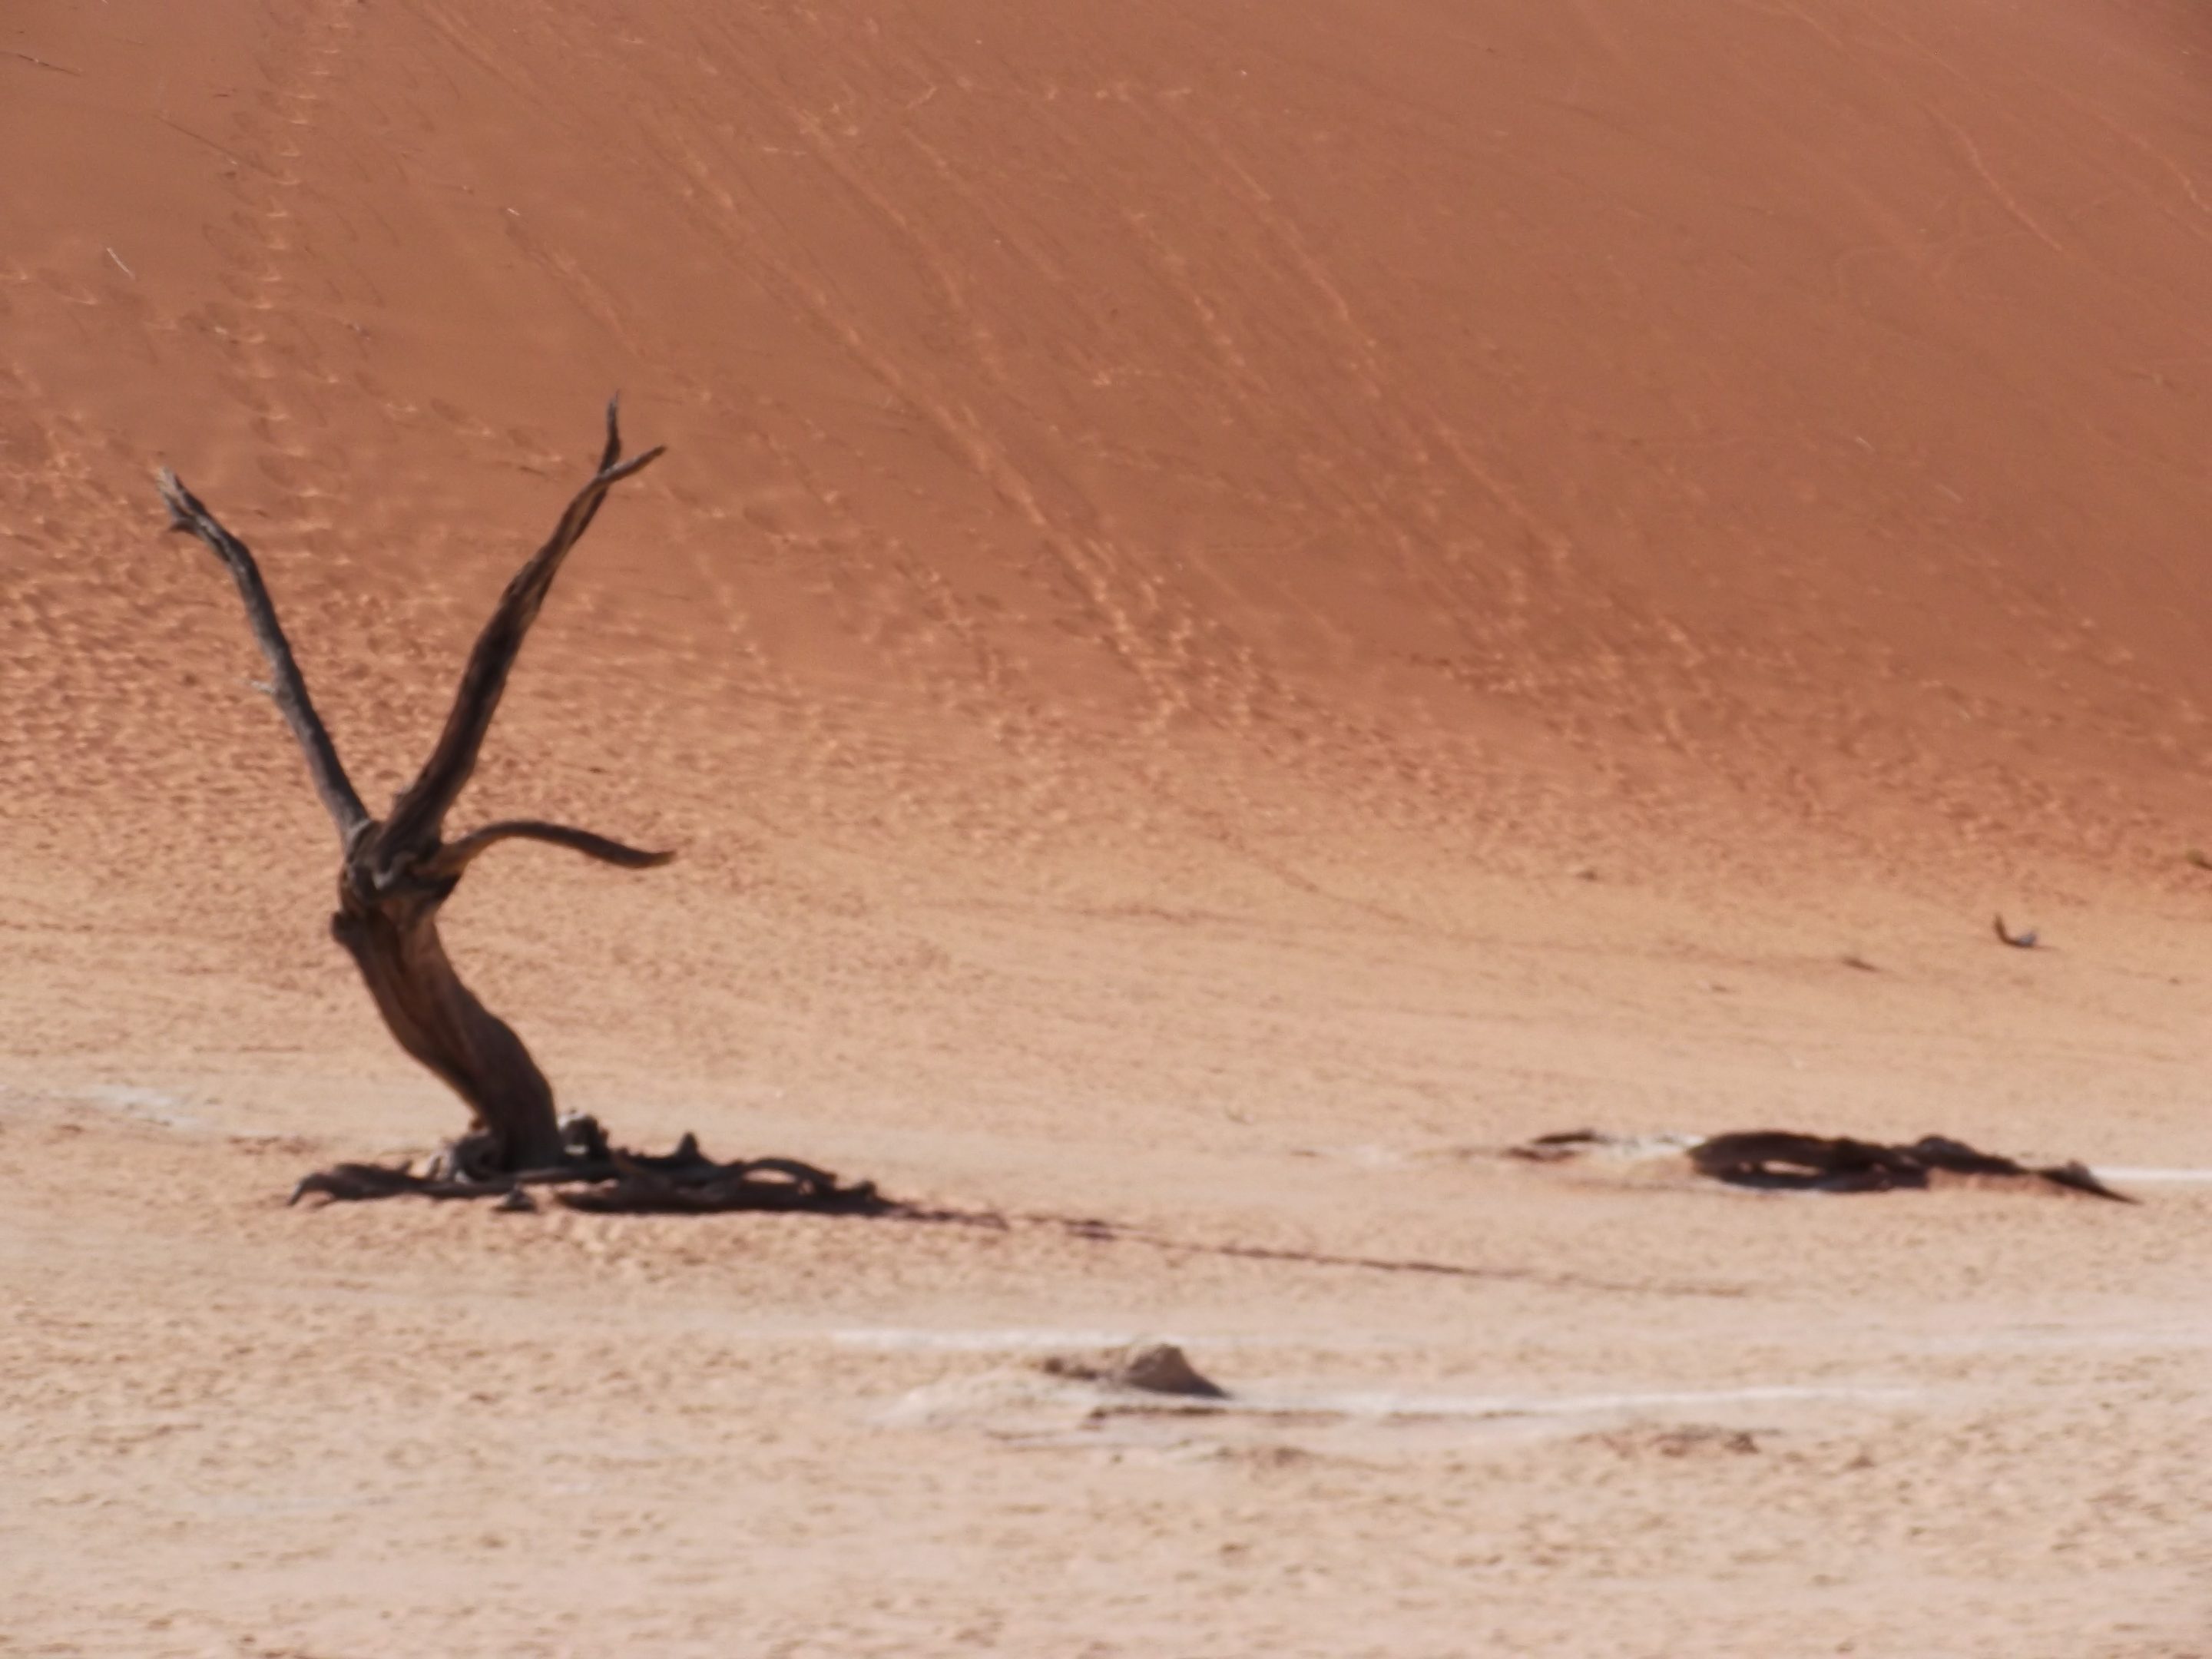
(593, 1175)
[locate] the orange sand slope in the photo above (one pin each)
(1248, 603)
(1816, 392)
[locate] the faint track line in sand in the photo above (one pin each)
(2002, 196)
(1462, 593)
(260, 274)
(586, 292)
(2142, 146)
(1140, 620)
(1190, 663)
(668, 132)
(1193, 662)
(995, 674)
(1502, 592)
(942, 270)
(1088, 556)
(40, 63)
(1170, 650)
(1086, 559)
(1919, 51)
(105, 727)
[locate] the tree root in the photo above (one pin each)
(593, 1175)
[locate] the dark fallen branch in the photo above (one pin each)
(1779, 1159)
(1786, 1161)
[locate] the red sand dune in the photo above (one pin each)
(1184, 524)
(1813, 395)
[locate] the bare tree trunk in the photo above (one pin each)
(393, 939)
(398, 870)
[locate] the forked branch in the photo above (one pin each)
(396, 875)
(419, 814)
(289, 688)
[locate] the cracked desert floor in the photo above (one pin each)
(1250, 604)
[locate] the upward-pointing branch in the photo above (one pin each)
(289, 687)
(419, 814)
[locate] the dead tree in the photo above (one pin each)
(396, 871)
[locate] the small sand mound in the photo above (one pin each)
(1064, 1393)
(1146, 1367)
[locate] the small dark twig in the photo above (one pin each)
(2022, 941)
(58, 69)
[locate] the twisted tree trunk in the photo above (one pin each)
(392, 937)
(397, 871)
